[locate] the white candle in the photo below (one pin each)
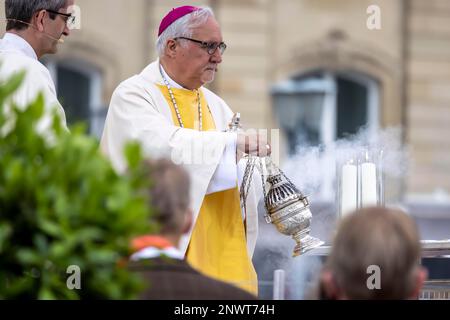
(348, 189)
(368, 184)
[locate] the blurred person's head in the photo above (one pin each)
(190, 46)
(169, 197)
(385, 238)
(41, 22)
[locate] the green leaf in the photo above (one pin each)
(51, 228)
(46, 294)
(9, 87)
(133, 154)
(5, 233)
(36, 109)
(28, 257)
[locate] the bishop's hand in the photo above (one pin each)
(253, 144)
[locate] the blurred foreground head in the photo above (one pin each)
(169, 196)
(375, 255)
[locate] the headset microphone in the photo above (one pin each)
(53, 38)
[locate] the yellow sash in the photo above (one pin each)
(218, 246)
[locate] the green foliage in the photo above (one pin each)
(62, 204)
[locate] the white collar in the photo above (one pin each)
(172, 83)
(152, 252)
(15, 42)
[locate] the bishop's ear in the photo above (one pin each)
(171, 47)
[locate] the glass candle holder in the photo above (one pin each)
(360, 180)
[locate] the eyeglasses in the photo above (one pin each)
(69, 18)
(210, 47)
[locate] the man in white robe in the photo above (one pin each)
(141, 111)
(34, 28)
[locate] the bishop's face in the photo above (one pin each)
(196, 65)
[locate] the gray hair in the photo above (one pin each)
(23, 10)
(183, 27)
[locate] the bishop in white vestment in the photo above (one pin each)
(185, 122)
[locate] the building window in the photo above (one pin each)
(320, 108)
(78, 87)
